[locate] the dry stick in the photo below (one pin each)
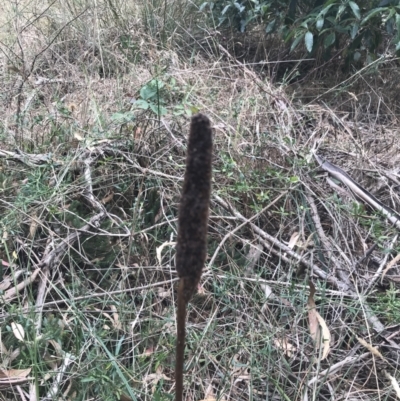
(372, 319)
(325, 242)
(284, 248)
(191, 248)
(230, 233)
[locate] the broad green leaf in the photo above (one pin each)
(390, 26)
(263, 9)
(354, 30)
(357, 56)
(372, 13)
(160, 111)
(296, 42)
(390, 15)
(270, 26)
(340, 11)
(397, 46)
(148, 92)
(325, 10)
(329, 40)
(355, 9)
(226, 8)
(309, 41)
(203, 6)
(398, 24)
(122, 118)
(142, 104)
(239, 6)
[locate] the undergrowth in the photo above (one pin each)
(95, 107)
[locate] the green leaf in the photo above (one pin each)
(398, 24)
(397, 46)
(296, 42)
(141, 104)
(390, 15)
(325, 10)
(319, 24)
(160, 111)
(372, 13)
(148, 92)
(122, 118)
(354, 30)
(355, 9)
(329, 40)
(203, 6)
(270, 26)
(226, 8)
(239, 7)
(340, 11)
(309, 41)
(264, 9)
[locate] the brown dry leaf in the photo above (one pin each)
(14, 373)
(52, 360)
(18, 331)
(160, 249)
(57, 347)
(78, 137)
(209, 394)
(162, 293)
(6, 283)
(370, 348)
(394, 384)
(148, 351)
(154, 378)
(284, 344)
(114, 320)
(117, 323)
(108, 198)
(3, 349)
(390, 265)
(319, 330)
(293, 240)
(34, 225)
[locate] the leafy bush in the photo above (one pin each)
(356, 28)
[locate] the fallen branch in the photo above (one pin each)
(359, 191)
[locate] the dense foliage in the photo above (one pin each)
(357, 30)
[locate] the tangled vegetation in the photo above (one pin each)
(299, 295)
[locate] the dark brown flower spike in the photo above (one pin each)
(191, 249)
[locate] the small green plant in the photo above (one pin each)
(152, 97)
(388, 305)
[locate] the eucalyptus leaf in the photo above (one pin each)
(372, 13)
(270, 26)
(354, 30)
(329, 40)
(355, 9)
(309, 41)
(296, 42)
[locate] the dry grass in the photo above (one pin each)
(89, 205)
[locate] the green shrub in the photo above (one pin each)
(356, 28)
